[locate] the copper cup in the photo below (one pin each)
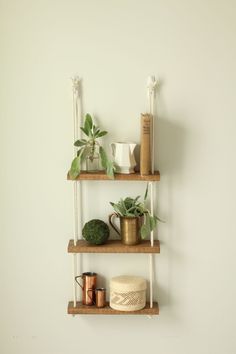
(89, 285)
(100, 297)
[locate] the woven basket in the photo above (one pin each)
(127, 293)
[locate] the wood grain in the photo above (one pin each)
(113, 246)
(81, 309)
(101, 176)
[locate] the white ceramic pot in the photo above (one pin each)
(123, 155)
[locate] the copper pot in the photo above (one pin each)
(129, 228)
(88, 287)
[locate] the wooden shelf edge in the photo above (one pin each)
(81, 309)
(113, 246)
(101, 176)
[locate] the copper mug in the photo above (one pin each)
(100, 297)
(88, 287)
(129, 228)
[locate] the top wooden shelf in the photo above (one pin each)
(101, 176)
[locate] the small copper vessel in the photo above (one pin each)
(100, 297)
(88, 287)
(129, 228)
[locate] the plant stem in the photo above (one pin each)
(91, 155)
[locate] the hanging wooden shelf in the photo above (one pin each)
(81, 309)
(113, 246)
(101, 176)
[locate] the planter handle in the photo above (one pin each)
(111, 216)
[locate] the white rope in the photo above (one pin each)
(151, 184)
(74, 272)
(76, 102)
(151, 279)
(76, 189)
(76, 211)
(151, 85)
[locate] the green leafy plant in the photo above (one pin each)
(87, 148)
(132, 207)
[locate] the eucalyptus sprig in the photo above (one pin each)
(87, 148)
(132, 207)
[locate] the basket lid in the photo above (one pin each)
(128, 283)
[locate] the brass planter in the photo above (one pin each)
(129, 228)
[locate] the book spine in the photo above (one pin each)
(146, 143)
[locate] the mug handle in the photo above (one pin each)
(79, 276)
(93, 290)
(112, 223)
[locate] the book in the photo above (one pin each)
(146, 144)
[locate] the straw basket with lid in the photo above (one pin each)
(127, 293)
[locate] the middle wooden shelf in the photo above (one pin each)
(113, 246)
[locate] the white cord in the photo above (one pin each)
(74, 272)
(151, 85)
(76, 103)
(77, 188)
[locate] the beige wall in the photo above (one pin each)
(114, 45)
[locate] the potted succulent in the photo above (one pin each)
(90, 150)
(136, 221)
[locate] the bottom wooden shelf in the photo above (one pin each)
(81, 309)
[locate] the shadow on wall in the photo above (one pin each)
(170, 147)
(171, 139)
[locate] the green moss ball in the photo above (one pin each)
(96, 232)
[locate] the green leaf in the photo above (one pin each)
(103, 156)
(88, 124)
(147, 222)
(152, 222)
(88, 121)
(144, 231)
(140, 209)
(106, 164)
(146, 193)
(96, 131)
(80, 142)
(100, 134)
(85, 153)
(86, 132)
(132, 209)
(136, 199)
(110, 169)
(122, 204)
(118, 209)
(80, 151)
(75, 168)
(129, 202)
